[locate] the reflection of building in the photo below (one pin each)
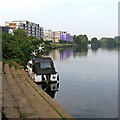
(66, 53)
(55, 55)
(7, 30)
(48, 36)
(58, 55)
(32, 29)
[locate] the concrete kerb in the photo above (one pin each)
(61, 111)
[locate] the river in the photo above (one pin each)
(88, 85)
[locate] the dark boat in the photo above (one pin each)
(42, 70)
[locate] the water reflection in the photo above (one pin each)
(66, 53)
(90, 76)
(80, 51)
(110, 48)
(50, 88)
(94, 48)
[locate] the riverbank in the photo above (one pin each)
(59, 45)
(22, 98)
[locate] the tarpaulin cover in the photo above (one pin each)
(37, 66)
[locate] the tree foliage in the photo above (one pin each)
(95, 42)
(109, 42)
(105, 42)
(81, 40)
(19, 46)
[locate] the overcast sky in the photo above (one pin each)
(95, 18)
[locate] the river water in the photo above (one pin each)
(88, 85)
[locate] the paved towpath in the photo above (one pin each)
(22, 98)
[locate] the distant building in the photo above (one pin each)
(7, 30)
(56, 36)
(53, 36)
(48, 35)
(63, 32)
(66, 37)
(32, 29)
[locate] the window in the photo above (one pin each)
(30, 65)
(45, 65)
(29, 28)
(21, 27)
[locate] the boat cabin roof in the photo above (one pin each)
(49, 69)
(41, 60)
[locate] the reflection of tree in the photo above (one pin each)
(94, 48)
(47, 51)
(110, 48)
(80, 51)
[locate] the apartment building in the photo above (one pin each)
(63, 32)
(53, 36)
(32, 29)
(7, 30)
(56, 36)
(47, 35)
(66, 37)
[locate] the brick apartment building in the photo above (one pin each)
(32, 29)
(47, 35)
(56, 36)
(53, 36)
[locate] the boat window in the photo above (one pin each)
(30, 65)
(45, 65)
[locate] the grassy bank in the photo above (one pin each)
(13, 63)
(59, 45)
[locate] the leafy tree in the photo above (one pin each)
(95, 42)
(19, 46)
(117, 39)
(81, 40)
(110, 42)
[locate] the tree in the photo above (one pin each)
(81, 40)
(19, 46)
(95, 42)
(110, 42)
(117, 39)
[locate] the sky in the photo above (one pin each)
(95, 18)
